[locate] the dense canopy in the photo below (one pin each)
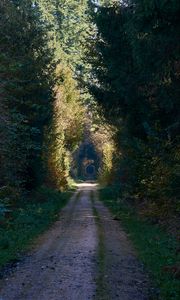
(99, 75)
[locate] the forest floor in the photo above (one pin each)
(85, 255)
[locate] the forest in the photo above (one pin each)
(89, 92)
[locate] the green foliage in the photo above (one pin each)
(66, 129)
(68, 28)
(135, 80)
(102, 137)
(26, 92)
(157, 250)
(28, 221)
(34, 38)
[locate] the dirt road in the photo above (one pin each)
(85, 255)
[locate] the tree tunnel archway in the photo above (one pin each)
(87, 162)
(90, 170)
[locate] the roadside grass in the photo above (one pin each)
(156, 249)
(101, 290)
(30, 218)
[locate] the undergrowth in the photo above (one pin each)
(157, 249)
(27, 220)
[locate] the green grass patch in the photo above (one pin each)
(102, 290)
(156, 249)
(29, 219)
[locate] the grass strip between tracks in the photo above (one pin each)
(102, 290)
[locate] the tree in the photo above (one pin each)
(135, 80)
(26, 91)
(66, 129)
(68, 28)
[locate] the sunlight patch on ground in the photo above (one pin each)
(87, 185)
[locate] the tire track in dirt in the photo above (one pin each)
(63, 264)
(85, 255)
(121, 275)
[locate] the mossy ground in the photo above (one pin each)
(30, 218)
